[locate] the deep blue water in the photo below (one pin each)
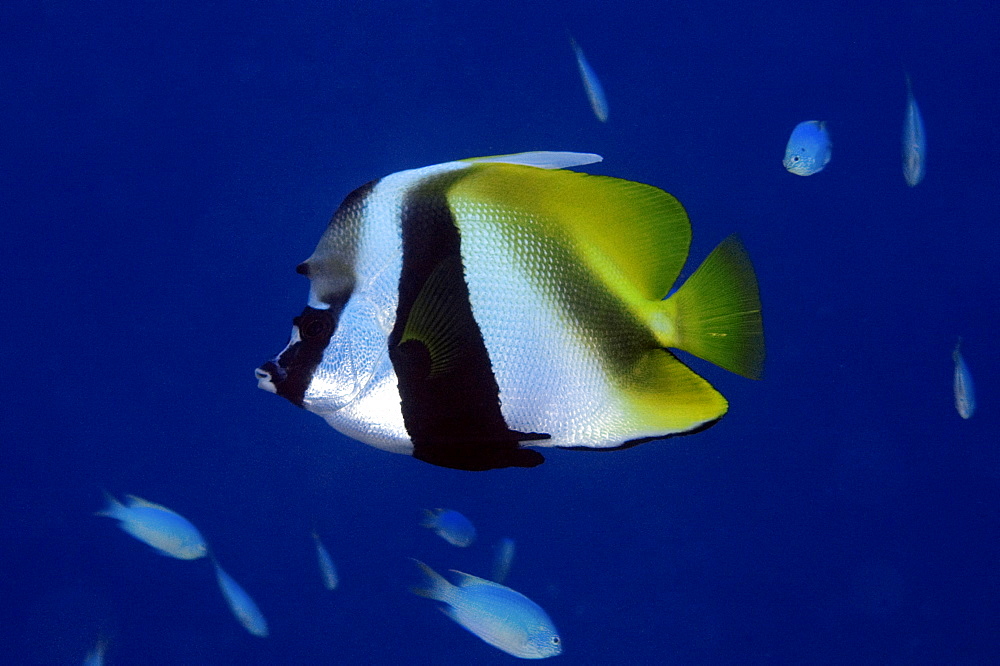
(167, 165)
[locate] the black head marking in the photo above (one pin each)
(292, 372)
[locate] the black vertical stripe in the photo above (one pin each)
(453, 418)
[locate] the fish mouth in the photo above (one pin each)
(266, 376)
(290, 373)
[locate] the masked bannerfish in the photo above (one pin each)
(462, 311)
(166, 531)
(809, 148)
(451, 526)
(505, 619)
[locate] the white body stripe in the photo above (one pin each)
(355, 387)
(549, 381)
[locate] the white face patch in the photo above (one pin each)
(356, 354)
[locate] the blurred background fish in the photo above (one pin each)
(326, 566)
(914, 140)
(965, 390)
(591, 84)
(451, 526)
(503, 559)
(243, 606)
(96, 656)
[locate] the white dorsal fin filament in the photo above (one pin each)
(542, 159)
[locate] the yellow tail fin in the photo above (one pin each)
(715, 315)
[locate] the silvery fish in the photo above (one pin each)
(505, 619)
(243, 607)
(591, 84)
(465, 311)
(809, 148)
(914, 141)
(965, 390)
(326, 567)
(451, 526)
(166, 531)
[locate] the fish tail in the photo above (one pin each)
(429, 520)
(716, 315)
(112, 507)
(436, 586)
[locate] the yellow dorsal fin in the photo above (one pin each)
(633, 236)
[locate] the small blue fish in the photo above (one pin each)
(965, 391)
(326, 567)
(243, 607)
(503, 560)
(166, 531)
(505, 619)
(809, 148)
(595, 91)
(451, 526)
(914, 141)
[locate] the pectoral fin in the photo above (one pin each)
(449, 395)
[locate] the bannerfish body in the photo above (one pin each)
(166, 531)
(505, 619)
(465, 311)
(914, 140)
(809, 148)
(241, 604)
(451, 526)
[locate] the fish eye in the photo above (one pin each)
(795, 158)
(315, 328)
(555, 640)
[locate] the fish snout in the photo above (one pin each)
(269, 376)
